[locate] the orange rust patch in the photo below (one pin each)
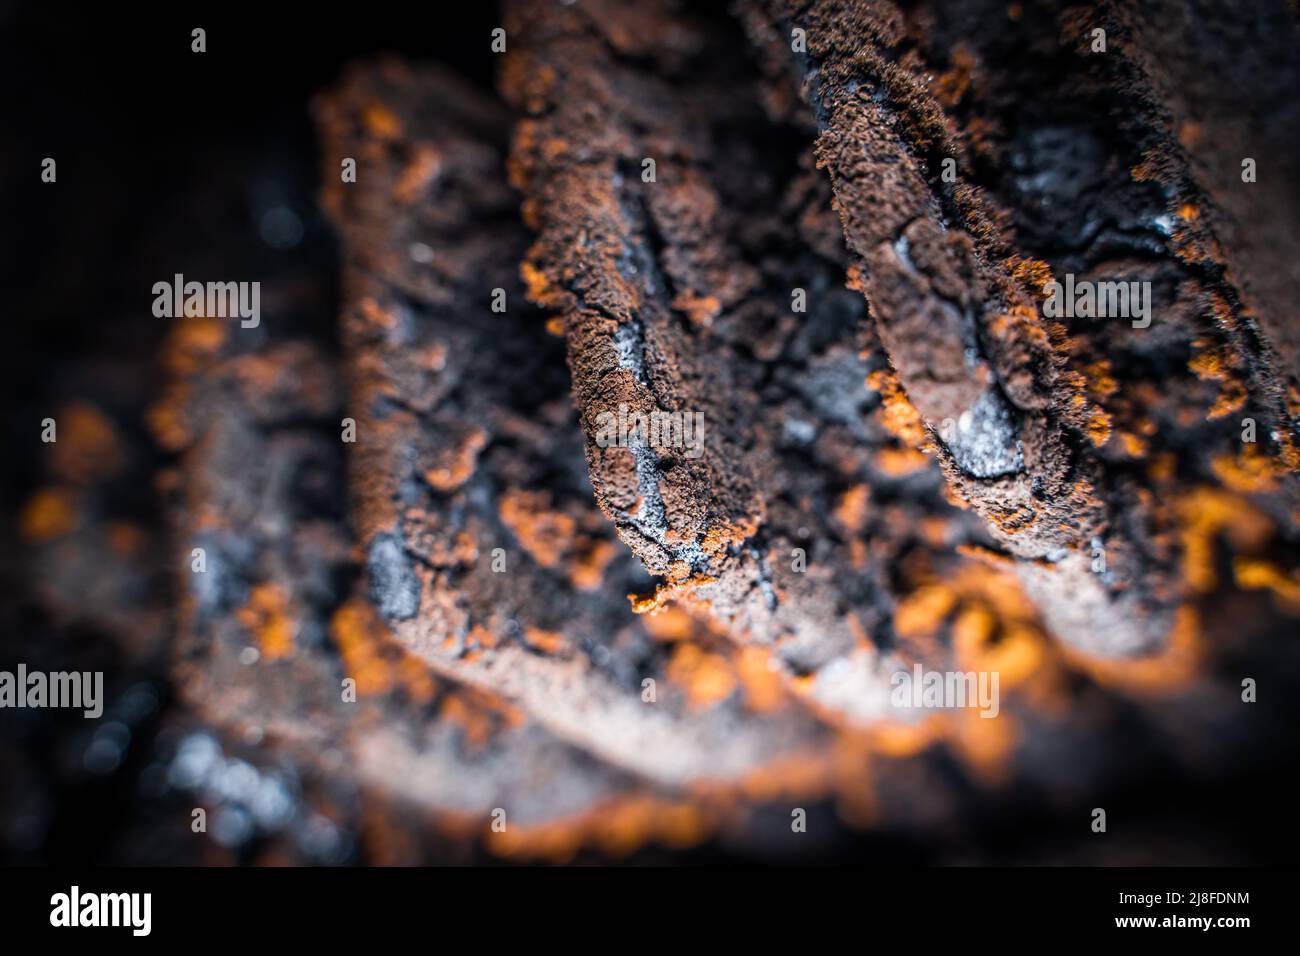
(893, 739)
(1101, 385)
(1205, 513)
(950, 86)
(984, 745)
(701, 310)
(935, 531)
(88, 447)
(1217, 364)
(671, 623)
(794, 775)
(922, 611)
(49, 513)
(267, 617)
(1012, 648)
(166, 419)
(706, 678)
(1208, 363)
(546, 535)
(474, 724)
(851, 509)
(1255, 574)
(996, 559)
(897, 414)
(422, 170)
(616, 827)
(1190, 133)
(667, 592)
(381, 122)
(193, 342)
(995, 629)
(762, 686)
(853, 276)
(1163, 467)
(1133, 446)
(1248, 472)
(1098, 427)
(1231, 398)
(377, 316)
(725, 535)
(1164, 673)
(456, 467)
(547, 642)
(897, 462)
(372, 657)
(538, 287)
(587, 569)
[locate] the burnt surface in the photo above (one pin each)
(370, 579)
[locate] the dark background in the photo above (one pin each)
(167, 158)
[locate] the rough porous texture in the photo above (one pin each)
(405, 595)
